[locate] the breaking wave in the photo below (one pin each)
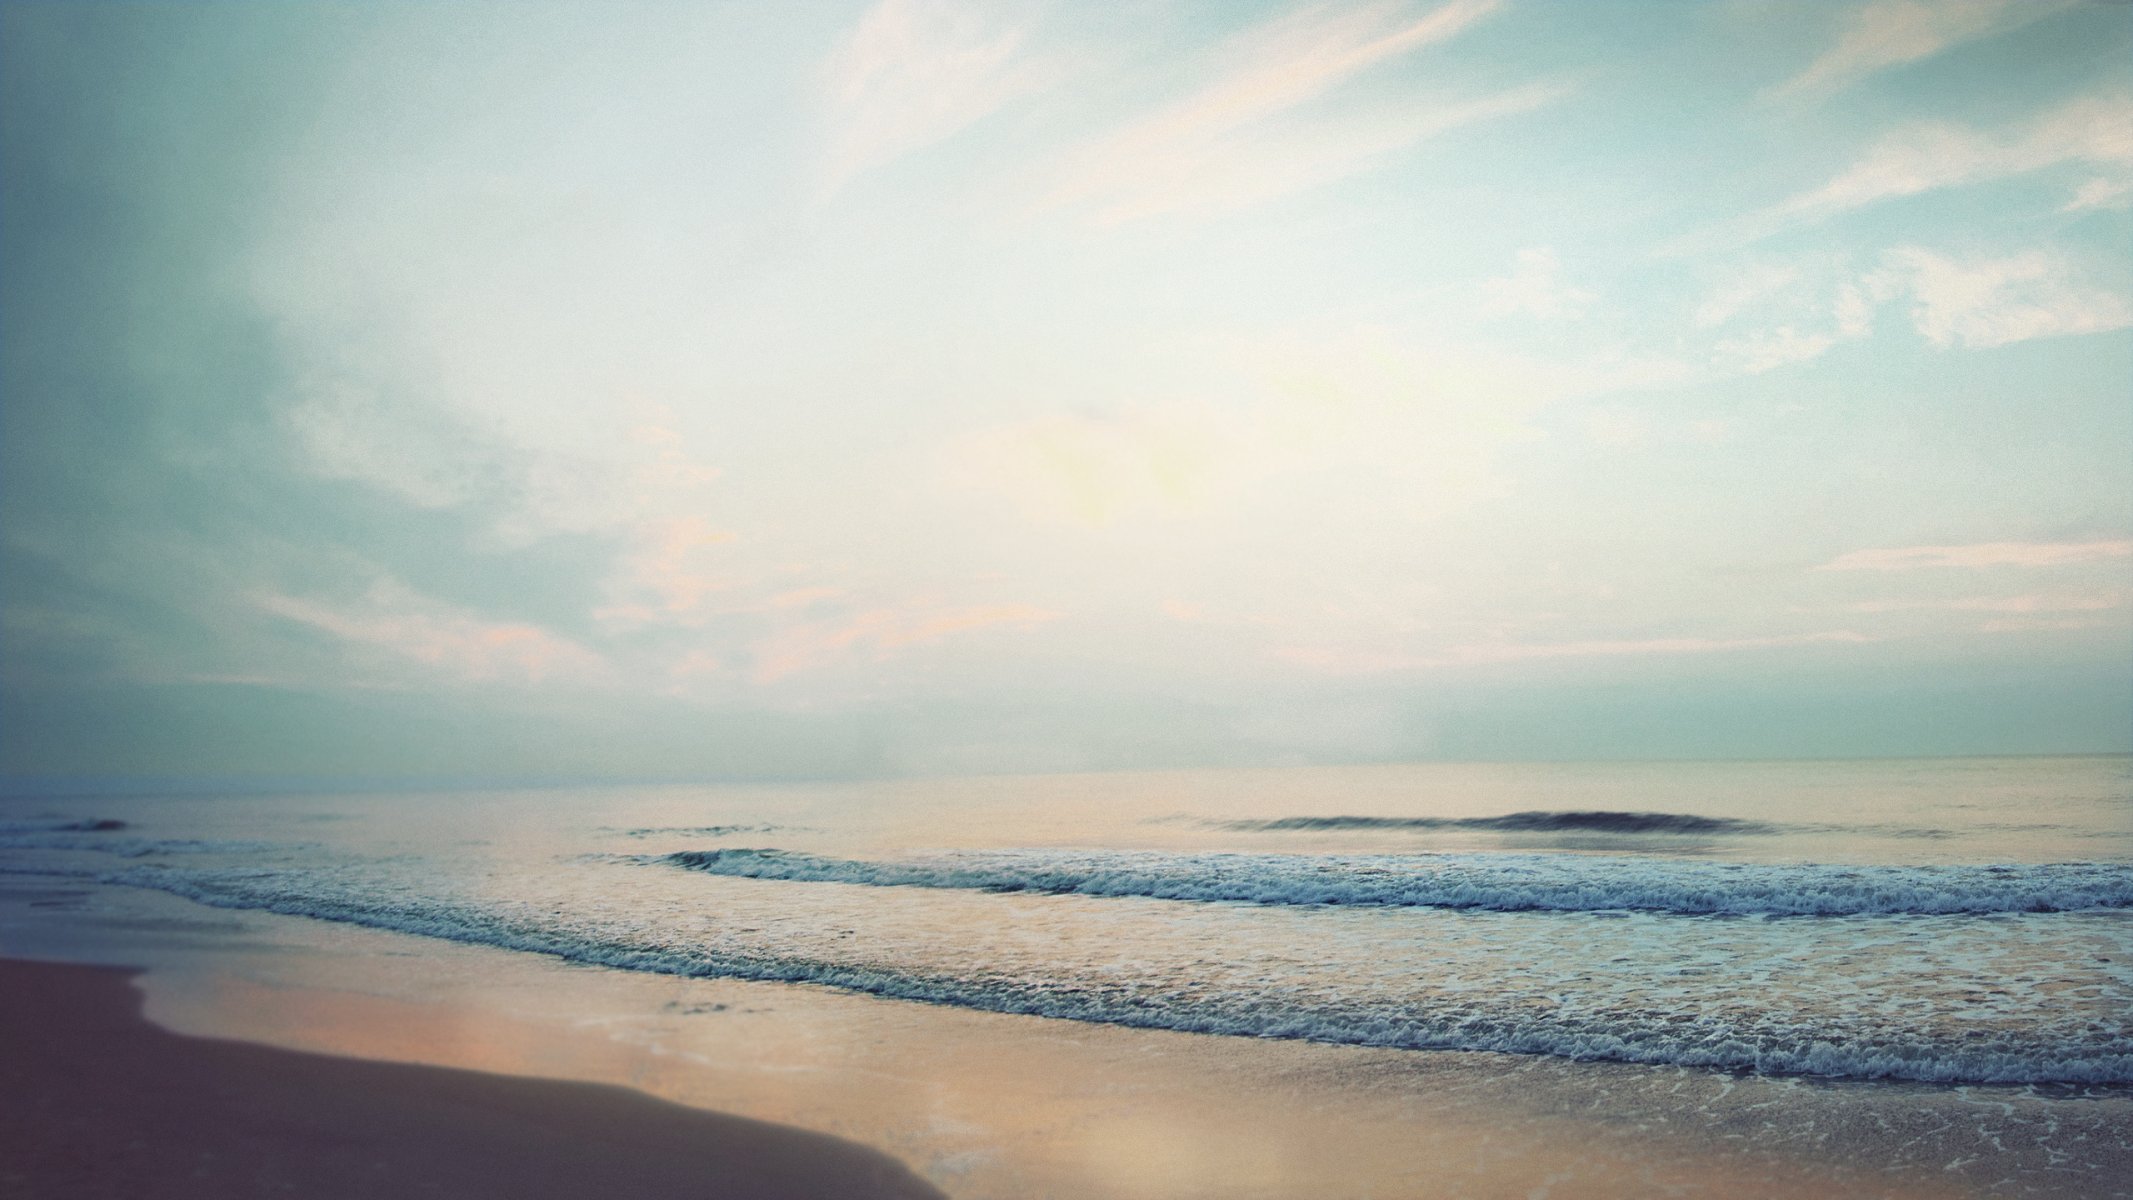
(1597, 821)
(1508, 883)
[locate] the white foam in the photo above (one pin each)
(123, 846)
(1502, 882)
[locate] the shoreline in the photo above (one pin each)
(989, 1106)
(105, 1103)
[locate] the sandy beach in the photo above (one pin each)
(103, 1103)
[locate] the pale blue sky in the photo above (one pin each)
(819, 389)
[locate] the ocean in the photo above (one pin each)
(1959, 924)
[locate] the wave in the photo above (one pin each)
(61, 825)
(1597, 821)
(1507, 883)
(93, 837)
(700, 830)
(1682, 1036)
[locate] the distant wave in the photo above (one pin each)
(93, 834)
(1597, 821)
(1502, 882)
(699, 830)
(61, 825)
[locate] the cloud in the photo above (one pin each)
(913, 73)
(2034, 602)
(1235, 140)
(1745, 288)
(2099, 194)
(1978, 302)
(344, 431)
(393, 619)
(1517, 652)
(2095, 602)
(2042, 624)
(2094, 131)
(1998, 301)
(810, 645)
(1756, 353)
(1345, 662)
(1979, 554)
(1891, 33)
(669, 573)
(1535, 287)
(1807, 307)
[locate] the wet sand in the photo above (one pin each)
(98, 1102)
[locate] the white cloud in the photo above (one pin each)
(1746, 288)
(1517, 652)
(1855, 307)
(913, 73)
(2043, 624)
(393, 620)
(2095, 131)
(1977, 302)
(1238, 139)
(1756, 353)
(344, 431)
(1998, 301)
(1979, 554)
(1370, 662)
(1536, 288)
(2101, 194)
(2031, 602)
(877, 634)
(1890, 33)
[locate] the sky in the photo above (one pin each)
(818, 389)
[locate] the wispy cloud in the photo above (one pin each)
(1517, 652)
(1975, 302)
(2094, 130)
(1352, 662)
(913, 73)
(1743, 289)
(1891, 33)
(1535, 288)
(1980, 554)
(396, 621)
(2043, 624)
(668, 574)
(878, 633)
(2033, 602)
(1755, 353)
(344, 431)
(2100, 194)
(1237, 140)
(1998, 301)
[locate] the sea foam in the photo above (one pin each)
(1502, 882)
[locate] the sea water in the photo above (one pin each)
(1955, 921)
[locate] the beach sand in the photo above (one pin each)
(101, 1103)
